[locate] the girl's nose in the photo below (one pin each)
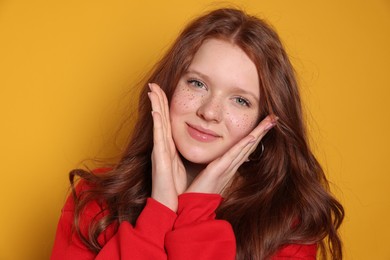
(211, 109)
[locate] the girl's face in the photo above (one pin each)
(216, 102)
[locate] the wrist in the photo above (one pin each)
(170, 202)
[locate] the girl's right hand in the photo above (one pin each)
(168, 173)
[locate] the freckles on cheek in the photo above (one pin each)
(182, 98)
(245, 122)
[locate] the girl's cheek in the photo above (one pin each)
(244, 122)
(184, 98)
(179, 98)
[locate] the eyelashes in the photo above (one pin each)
(196, 83)
(241, 101)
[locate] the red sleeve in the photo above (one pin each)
(297, 252)
(143, 241)
(197, 234)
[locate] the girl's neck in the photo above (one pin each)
(192, 170)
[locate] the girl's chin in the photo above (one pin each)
(190, 158)
(200, 161)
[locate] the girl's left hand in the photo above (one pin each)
(218, 173)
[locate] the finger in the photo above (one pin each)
(155, 102)
(249, 149)
(165, 108)
(239, 156)
(261, 130)
(166, 111)
(159, 127)
(224, 163)
(264, 126)
(162, 103)
(243, 156)
(158, 132)
(156, 107)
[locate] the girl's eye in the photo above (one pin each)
(242, 101)
(196, 83)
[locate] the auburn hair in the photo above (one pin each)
(281, 196)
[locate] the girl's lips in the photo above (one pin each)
(201, 134)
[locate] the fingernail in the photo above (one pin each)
(269, 126)
(150, 86)
(274, 119)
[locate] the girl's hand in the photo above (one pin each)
(215, 177)
(168, 173)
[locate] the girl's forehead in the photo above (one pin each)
(221, 62)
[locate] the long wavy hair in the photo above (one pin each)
(281, 196)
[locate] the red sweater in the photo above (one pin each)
(159, 233)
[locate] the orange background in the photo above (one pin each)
(66, 68)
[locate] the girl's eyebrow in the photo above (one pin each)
(203, 76)
(243, 91)
(234, 89)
